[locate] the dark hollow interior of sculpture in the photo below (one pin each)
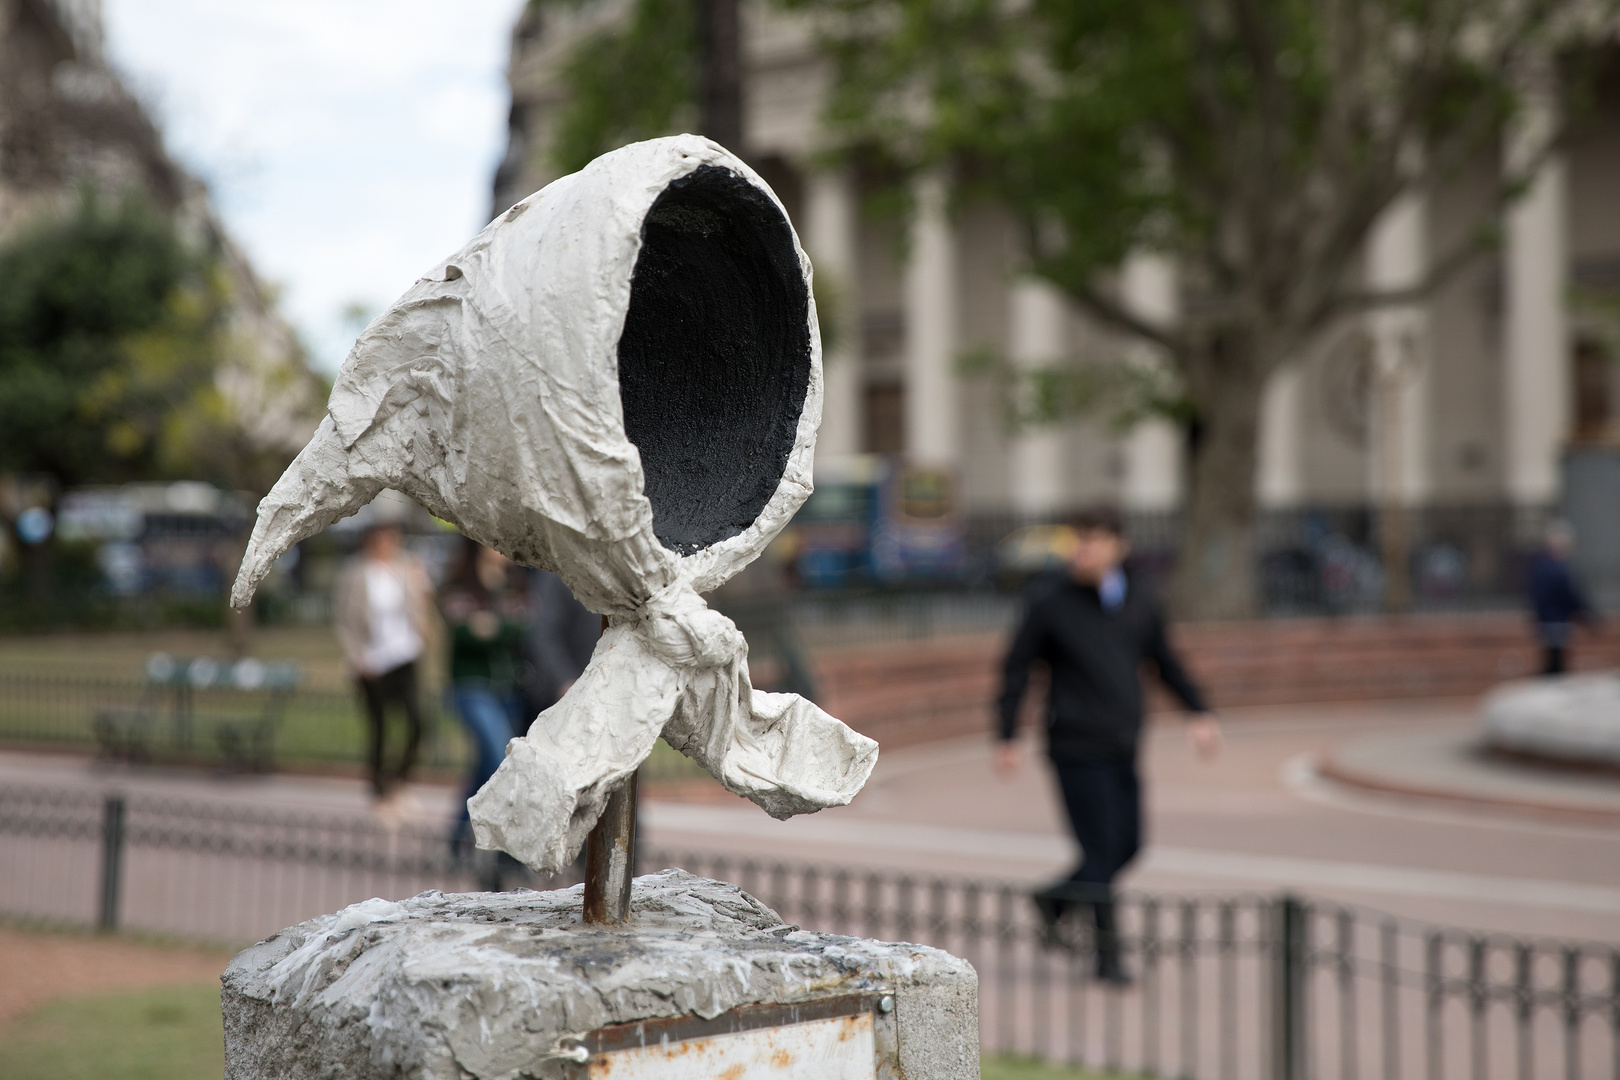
(714, 360)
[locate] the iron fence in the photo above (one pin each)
(1225, 987)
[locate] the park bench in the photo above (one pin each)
(244, 703)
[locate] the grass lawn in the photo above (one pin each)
(1008, 1067)
(174, 1033)
(322, 725)
(166, 1033)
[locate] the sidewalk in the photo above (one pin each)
(1262, 818)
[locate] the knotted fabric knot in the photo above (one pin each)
(674, 667)
(685, 631)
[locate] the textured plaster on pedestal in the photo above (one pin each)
(486, 985)
(490, 393)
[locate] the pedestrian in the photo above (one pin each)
(486, 612)
(561, 636)
(1557, 601)
(383, 619)
(1094, 626)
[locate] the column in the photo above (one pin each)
(1399, 457)
(1153, 447)
(1035, 339)
(831, 237)
(1281, 475)
(1535, 393)
(1398, 450)
(932, 426)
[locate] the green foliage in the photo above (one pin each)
(1257, 143)
(109, 335)
(77, 288)
(1122, 392)
(168, 1033)
(635, 78)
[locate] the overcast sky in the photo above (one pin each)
(350, 144)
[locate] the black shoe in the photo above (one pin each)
(1115, 975)
(1056, 931)
(1050, 907)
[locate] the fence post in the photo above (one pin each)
(112, 860)
(1288, 990)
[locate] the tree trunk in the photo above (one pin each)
(1215, 575)
(720, 53)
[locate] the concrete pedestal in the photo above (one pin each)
(704, 981)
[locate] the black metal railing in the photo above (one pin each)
(1226, 987)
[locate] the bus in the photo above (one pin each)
(879, 520)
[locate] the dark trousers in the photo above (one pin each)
(1554, 659)
(1104, 801)
(395, 687)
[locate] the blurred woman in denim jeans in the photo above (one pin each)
(485, 608)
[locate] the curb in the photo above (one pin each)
(1330, 769)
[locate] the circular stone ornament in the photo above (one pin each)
(619, 379)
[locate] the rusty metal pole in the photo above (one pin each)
(610, 855)
(610, 859)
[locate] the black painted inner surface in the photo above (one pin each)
(714, 360)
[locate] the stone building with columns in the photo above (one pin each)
(1465, 404)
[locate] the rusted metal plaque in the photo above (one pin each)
(850, 1037)
(838, 1049)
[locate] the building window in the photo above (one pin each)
(884, 419)
(1594, 401)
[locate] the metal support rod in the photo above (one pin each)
(610, 855)
(112, 860)
(1288, 989)
(610, 859)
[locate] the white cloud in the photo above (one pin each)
(350, 143)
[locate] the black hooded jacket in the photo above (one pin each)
(1095, 656)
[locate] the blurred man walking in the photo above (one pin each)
(1557, 602)
(1094, 627)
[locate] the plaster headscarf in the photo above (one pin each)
(620, 380)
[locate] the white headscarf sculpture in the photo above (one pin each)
(620, 380)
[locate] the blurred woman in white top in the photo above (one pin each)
(383, 617)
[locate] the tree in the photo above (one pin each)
(113, 338)
(664, 65)
(1255, 142)
(78, 288)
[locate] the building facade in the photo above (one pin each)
(1468, 401)
(67, 122)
